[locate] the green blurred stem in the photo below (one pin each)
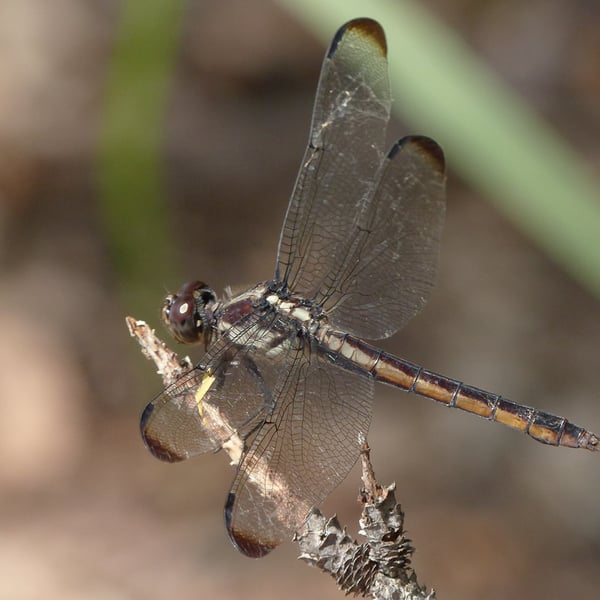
(131, 164)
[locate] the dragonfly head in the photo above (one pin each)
(188, 313)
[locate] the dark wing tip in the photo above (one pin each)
(367, 28)
(244, 543)
(425, 146)
(153, 444)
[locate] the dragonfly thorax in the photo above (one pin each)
(267, 318)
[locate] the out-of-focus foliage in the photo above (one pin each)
(131, 156)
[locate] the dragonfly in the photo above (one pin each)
(285, 364)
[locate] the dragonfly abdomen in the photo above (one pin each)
(387, 368)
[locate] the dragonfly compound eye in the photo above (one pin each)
(185, 313)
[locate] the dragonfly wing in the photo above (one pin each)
(362, 230)
(172, 426)
(345, 148)
(392, 253)
(223, 396)
(301, 452)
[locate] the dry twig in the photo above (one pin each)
(380, 568)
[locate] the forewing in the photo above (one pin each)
(346, 146)
(361, 235)
(301, 453)
(391, 254)
(222, 396)
(172, 426)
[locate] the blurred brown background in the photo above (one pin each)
(85, 511)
